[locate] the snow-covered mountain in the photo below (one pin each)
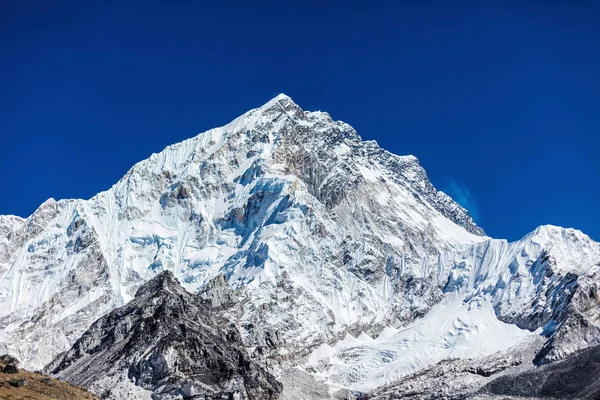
(337, 256)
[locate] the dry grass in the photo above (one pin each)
(39, 387)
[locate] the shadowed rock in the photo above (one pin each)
(166, 341)
(575, 377)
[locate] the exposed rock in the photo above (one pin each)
(575, 377)
(10, 369)
(457, 379)
(8, 359)
(218, 292)
(577, 325)
(488, 370)
(167, 342)
(18, 382)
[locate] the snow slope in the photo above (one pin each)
(450, 330)
(498, 295)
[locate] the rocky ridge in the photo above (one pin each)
(166, 342)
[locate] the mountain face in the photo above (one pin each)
(168, 343)
(333, 257)
(501, 377)
(496, 295)
(278, 195)
(575, 377)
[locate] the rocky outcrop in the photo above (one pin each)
(499, 377)
(577, 325)
(218, 293)
(575, 377)
(450, 379)
(166, 342)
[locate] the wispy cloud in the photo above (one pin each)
(461, 194)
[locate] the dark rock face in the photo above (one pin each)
(8, 359)
(11, 369)
(167, 341)
(576, 377)
(10, 364)
(488, 370)
(554, 294)
(578, 322)
(449, 379)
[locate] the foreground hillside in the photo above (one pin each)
(28, 385)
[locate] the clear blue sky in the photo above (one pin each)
(501, 104)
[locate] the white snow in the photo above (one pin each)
(452, 329)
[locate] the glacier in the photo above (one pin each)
(337, 250)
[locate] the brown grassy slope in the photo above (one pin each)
(39, 387)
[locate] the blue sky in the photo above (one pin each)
(500, 103)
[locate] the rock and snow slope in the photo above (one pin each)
(321, 234)
(164, 344)
(497, 295)
(450, 330)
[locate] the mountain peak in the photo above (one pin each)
(281, 98)
(161, 282)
